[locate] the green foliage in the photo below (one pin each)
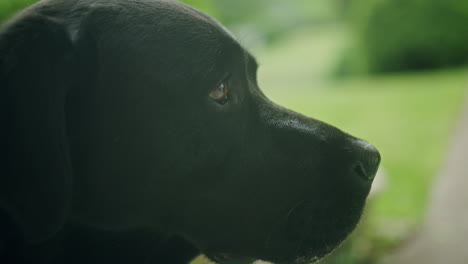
(269, 19)
(402, 35)
(205, 5)
(391, 35)
(10, 7)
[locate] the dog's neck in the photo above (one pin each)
(132, 246)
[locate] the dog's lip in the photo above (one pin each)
(295, 239)
(226, 258)
(219, 257)
(305, 257)
(302, 255)
(311, 246)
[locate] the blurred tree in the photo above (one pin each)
(401, 35)
(269, 19)
(343, 7)
(205, 5)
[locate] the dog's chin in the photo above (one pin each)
(298, 241)
(311, 251)
(304, 256)
(298, 252)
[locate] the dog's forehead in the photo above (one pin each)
(158, 18)
(151, 34)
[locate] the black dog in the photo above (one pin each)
(133, 131)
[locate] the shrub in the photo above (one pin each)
(401, 35)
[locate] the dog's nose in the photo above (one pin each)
(367, 160)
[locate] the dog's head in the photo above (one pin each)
(155, 111)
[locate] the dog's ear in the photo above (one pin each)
(36, 62)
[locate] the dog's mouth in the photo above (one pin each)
(302, 238)
(318, 230)
(224, 258)
(303, 256)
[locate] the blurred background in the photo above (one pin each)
(393, 72)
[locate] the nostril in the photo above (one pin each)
(360, 170)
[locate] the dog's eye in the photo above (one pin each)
(220, 94)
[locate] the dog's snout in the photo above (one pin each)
(367, 160)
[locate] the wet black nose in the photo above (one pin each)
(367, 160)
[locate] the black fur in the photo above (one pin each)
(112, 150)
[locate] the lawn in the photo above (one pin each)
(409, 117)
